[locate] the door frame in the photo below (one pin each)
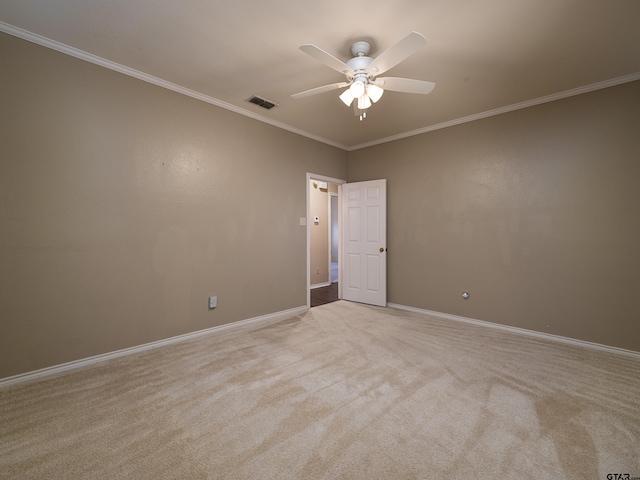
(339, 182)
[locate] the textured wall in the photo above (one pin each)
(123, 206)
(534, 212)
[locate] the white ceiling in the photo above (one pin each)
(483, 55)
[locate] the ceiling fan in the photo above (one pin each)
(365, 87)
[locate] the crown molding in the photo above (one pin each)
(89, 57)
(509, 108)
(74, 52)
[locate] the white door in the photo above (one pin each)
(364, 242)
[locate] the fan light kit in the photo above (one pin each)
(364, 89)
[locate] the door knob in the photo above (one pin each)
(381, 249)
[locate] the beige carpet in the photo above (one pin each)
(343, 391)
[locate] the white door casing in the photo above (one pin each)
(364, 242)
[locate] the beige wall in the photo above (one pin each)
(318, 234)
(123, 206)
(534, 212)
(335, 227)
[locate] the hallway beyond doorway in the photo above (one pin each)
(324, 295)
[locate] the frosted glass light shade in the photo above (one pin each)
(364, 102)
(346, 97)
(357, 89)
(374, 92)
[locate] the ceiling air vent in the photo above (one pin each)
(261, 102)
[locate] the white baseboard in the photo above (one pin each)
(83, 362)
(319, 285)
(521, 331)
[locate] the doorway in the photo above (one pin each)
(362, 251)
(329, 293)
(323, 239)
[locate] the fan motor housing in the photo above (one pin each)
(359, 63)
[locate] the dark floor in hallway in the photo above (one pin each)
(323, 295)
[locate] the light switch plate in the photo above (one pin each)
(213, 302)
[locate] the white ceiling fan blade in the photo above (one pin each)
(396, 53)
(326, 58)
(405, 85)
(324, 88)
